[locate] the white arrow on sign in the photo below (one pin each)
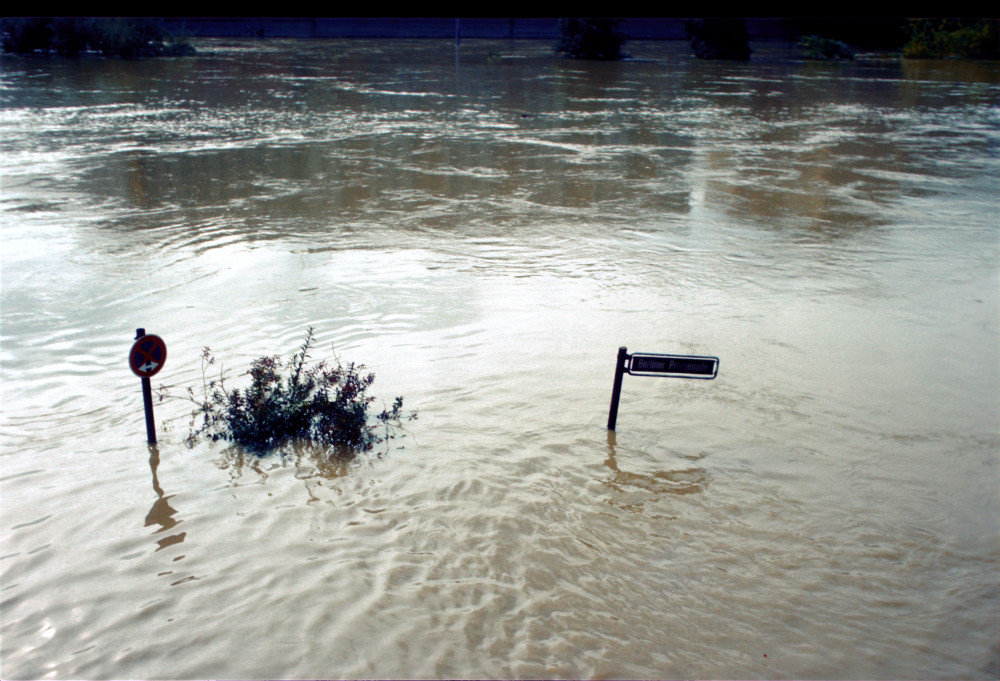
(149, 366)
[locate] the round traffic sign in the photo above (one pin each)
(147, 356)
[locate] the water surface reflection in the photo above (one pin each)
(162, 513)
(687, 480)
(484, 227)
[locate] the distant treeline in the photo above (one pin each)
(728, 38)
(121, 37)
(133, 38)
(869, 33)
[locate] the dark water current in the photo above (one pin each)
(484, 227)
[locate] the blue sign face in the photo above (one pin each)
(677, 366)
(147, 356)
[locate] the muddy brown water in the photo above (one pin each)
(483, 228)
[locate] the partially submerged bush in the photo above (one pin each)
(719, 38)
(942, 38)
(326, 405)
(817, 47)
(590, 39)
(869, 34)
(123, 37)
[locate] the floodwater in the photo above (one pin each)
(484, 227)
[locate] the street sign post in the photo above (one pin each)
(650, 364)
(145, 359)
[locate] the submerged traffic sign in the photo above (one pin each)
(147, 355)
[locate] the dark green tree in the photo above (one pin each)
(943, 38)
(120, 37)
(591, 39)
(719, 38)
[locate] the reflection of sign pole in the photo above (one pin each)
(146, 357)
(648, 364)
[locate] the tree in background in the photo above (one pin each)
(719, 38)
(121, 37)
(943, 38)
(591, 39)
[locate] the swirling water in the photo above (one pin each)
(484, 227)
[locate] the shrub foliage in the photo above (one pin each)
(324, 404)
(817, 47)
(122, 37)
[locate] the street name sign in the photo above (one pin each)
(677, 366)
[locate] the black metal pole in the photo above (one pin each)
(147, 400)
(616, 390)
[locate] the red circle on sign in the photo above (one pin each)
(147, 356)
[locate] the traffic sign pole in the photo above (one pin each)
(147, 402)
(616, 389)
